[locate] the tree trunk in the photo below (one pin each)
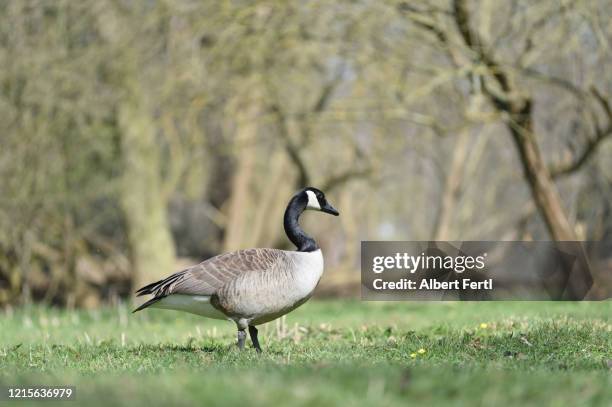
(452, 188)
(520, 125)
(538, 176)
(150, 241)
(268, 214)
(240, 201)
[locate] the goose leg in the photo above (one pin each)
(253, 333)
(241, 338)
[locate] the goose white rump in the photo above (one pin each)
(194, 304)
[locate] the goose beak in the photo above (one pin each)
(327, 208)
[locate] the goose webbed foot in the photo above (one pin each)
(241, 338)
(253, 333)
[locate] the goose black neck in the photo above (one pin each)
(298, 237)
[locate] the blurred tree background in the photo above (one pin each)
(139, 136)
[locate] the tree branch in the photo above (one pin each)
(601, 134)
(344, 177)
(290, 147)
(568, 168)
(476, 44)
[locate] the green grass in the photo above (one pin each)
(329, 353)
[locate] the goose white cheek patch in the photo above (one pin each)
(313, 202)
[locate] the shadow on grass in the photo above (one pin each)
(170, 348)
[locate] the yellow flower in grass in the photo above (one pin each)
(421, 351)
(484, 325)
(413, 355)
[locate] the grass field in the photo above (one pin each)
(325, 353)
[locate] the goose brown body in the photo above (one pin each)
(253, 286)
(250, 286)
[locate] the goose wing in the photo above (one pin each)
(212, 274)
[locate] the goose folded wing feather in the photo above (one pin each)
(209, 276)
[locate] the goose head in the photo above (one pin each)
(316, 201)
(305, 199)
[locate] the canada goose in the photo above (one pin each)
(253, 286)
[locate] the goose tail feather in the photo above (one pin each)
(147, 304)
